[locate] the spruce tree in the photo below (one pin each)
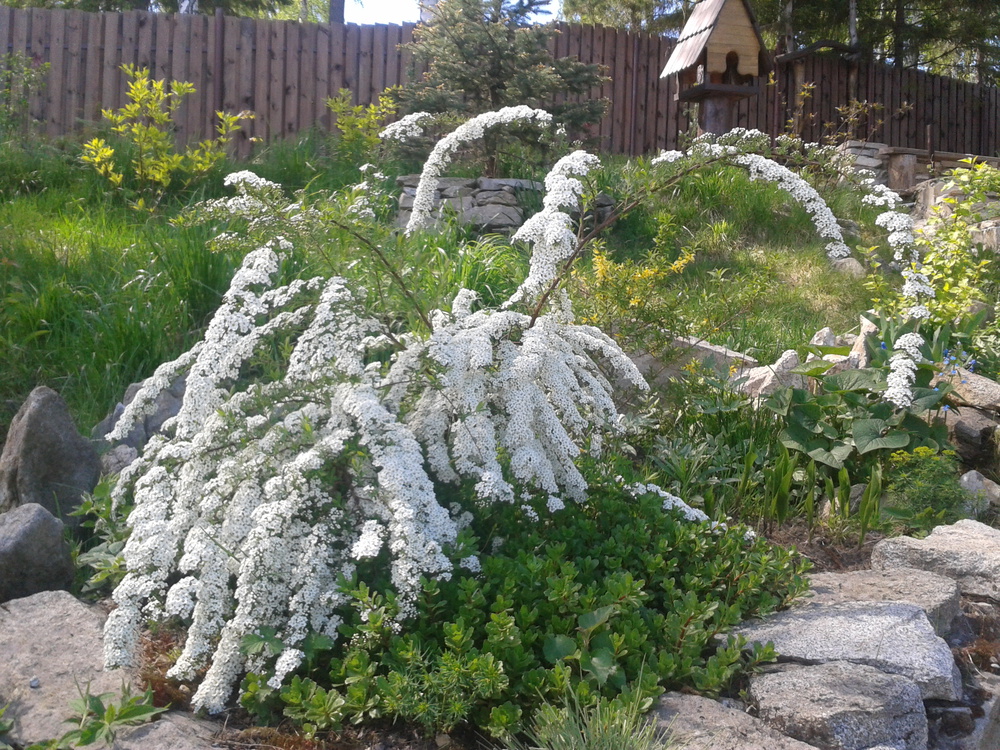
(482, 55)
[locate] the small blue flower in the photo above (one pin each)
(954, 372)
(936, 388)
(883, 345)
(946, 407)
(965, 381)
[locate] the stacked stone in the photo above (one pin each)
(870, 156)
(490, 205)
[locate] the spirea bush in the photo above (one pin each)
(269, 493)
(335, 447)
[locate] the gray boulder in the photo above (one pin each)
(972, 431)
(489, 183)
(982, 490)
(936, 595)
(849, 266)
(493, 217)
(50, 649)
(34, 556)
(698, 723)
(967, 551)
(970, 389)
(443, 183)
(45, 460)
(763, 381)
(842, 706)
(172, 731)
(893, 637)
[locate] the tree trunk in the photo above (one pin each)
(898, 32)
(336, 11)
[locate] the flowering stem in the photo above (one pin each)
(377, 252)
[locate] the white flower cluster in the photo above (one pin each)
(444, 150)
(902, 374)
(265, 494)
(737, 146)
(762, 168)
(734, 146)
(550, 231)
(406, 128)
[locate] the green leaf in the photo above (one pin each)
(779, 401)
(601, 664)
(855, 380)
(598, 617)
(558, 647)
(876, 434)
(812, 368)
(833, 456)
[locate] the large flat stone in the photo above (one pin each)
(842, 706)
(34, 556)
(937, 596)
(973, 390)
(173, 731)
(967, 552)
(893, 637)
(701, 724)
(50, 649)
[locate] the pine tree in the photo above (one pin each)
(482, 55)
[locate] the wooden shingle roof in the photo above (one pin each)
(696, 32)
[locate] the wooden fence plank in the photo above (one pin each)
(180, 67)
(6, 29)
(380, 45)
(144, 41)
(111, 59)
(231, 65)
(351, 79)
(290, 92)
(163, 33)
(74, 66)
(276, 100)
(308, 33)
(323, 89)
(394, 34)
(57, 98)
(198, 74)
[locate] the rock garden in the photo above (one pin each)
(446, 431)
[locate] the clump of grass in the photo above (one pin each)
(606, 725)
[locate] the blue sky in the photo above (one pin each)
(388, 11)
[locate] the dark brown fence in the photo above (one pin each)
(284, 71)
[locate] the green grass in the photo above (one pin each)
(760, 281)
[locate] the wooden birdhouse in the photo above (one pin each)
(719, 59)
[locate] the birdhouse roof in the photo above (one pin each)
(697, 31)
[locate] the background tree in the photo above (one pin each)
(482, 55)
(658, 16)
(951, 37)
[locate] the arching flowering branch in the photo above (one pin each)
(444, 150)
(735, 147)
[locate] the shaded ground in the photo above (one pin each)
(828, 552)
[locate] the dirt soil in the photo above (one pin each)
(828, 553)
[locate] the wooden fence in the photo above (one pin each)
(283, 71)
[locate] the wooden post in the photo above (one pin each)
(902, 171)
(715, 114)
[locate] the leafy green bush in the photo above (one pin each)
(923, 491)
(20, 77)
(147, 125)
(615, 597)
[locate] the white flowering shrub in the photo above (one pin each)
(321, 427)
(271, 491)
